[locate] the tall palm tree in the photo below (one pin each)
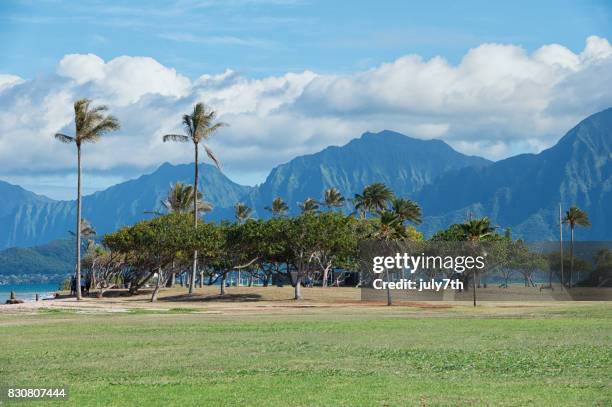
(91, 123)
(374, 198)
(199, 125)
(242, 212)
(332, 198)
(309, 205)
(406, 210)
(474, 230)
(278, 208)
(575, 217)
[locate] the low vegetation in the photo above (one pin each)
(365, 356)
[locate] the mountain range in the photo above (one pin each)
(522, 192)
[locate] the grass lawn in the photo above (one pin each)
(326, 356)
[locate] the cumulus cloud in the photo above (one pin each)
(6, 81)
(497, 101)
(125, 79)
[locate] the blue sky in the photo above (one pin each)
(291, 77)
(260, 38)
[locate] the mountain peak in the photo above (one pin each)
(595, 130)
(404, 163)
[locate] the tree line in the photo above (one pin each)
(303, 250)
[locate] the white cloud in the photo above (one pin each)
(124, 80)
(497, 101)
(7, 81)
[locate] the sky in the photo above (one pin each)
(290, 78)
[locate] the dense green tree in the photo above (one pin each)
(602, 274)
(149, 248)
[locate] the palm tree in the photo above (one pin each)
(390, 229)
(406, 210)
(180, 200)
(575, 217)
(373, 199)
(87, 230)
(242, 212)
(332, 198)
(199, 125)
(278, 208)
(309, 205)
(91, 124)
(474, 230)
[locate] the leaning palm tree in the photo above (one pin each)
(332, 198)
(199, 125)
(242, 212)
(91, 124)
(407, 210)
(373, 199)
(278, 208)
(575, 217)
(309, 205)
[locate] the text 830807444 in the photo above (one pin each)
(32, 393)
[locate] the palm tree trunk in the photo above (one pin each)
(474, 288)
(389, 299)
(571, 256)
(78, 226)
(195, 220)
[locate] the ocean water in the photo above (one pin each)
(27, 292)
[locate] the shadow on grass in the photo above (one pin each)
(217, 298)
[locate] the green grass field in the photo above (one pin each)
(355, 356)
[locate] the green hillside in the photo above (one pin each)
(47, 263)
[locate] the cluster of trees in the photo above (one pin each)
(301, 250)
(304, 249)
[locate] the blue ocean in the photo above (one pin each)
(27, 292)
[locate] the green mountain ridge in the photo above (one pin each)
(524, 192)
(521, 192)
